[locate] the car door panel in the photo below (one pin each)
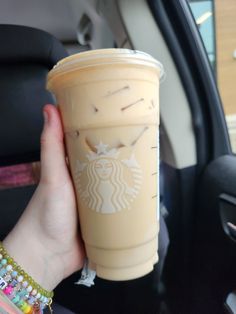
(204, 272)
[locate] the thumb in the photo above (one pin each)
(53, 162)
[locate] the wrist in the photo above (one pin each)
(43, 266)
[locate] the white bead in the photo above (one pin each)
(38, 296)
(34, 292)
(45, 300)
(20, 278)
(25, 284)
(9, 268)
(29, 289)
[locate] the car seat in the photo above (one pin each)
(26, 56)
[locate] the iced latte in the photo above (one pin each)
(109, 102)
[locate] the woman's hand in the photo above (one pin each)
(45, 242)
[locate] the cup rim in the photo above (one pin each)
(101, 57)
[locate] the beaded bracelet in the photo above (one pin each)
(6, 306)
(20, 288)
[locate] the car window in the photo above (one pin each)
(216, 21)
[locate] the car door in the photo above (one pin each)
(197, 161)
(206, 270)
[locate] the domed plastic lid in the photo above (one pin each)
(105, 57)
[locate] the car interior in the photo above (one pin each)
(196, 270)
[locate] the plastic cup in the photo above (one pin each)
(109, 102)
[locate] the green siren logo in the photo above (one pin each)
(106, 189)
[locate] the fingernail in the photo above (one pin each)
(45, 115)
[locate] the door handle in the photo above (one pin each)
(232, 229)
(228, 214)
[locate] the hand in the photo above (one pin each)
(45, 241)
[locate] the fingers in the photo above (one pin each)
(53, 163)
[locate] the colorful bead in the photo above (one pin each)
(29, 289)
(8, 290)
(7, 277)
(20, 303)
(3, 283)
(17, 287)
(36, 308)
(3, 272)
(14, 282)
(42, 306)
(12, 295)
(20, 278)
(9, 268)
(4, 261)
(38, 295)
(28, 309)
(16, 299)
(34, 292)
(14, 274)
(24, 284)
(46, 300)
(23, 305)
(22, 293)
(20, 287)
(31, 300)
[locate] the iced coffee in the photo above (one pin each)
(109, 102)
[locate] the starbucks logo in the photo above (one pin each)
(104, 187)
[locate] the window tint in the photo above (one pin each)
(203, 12)
(216, 21)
